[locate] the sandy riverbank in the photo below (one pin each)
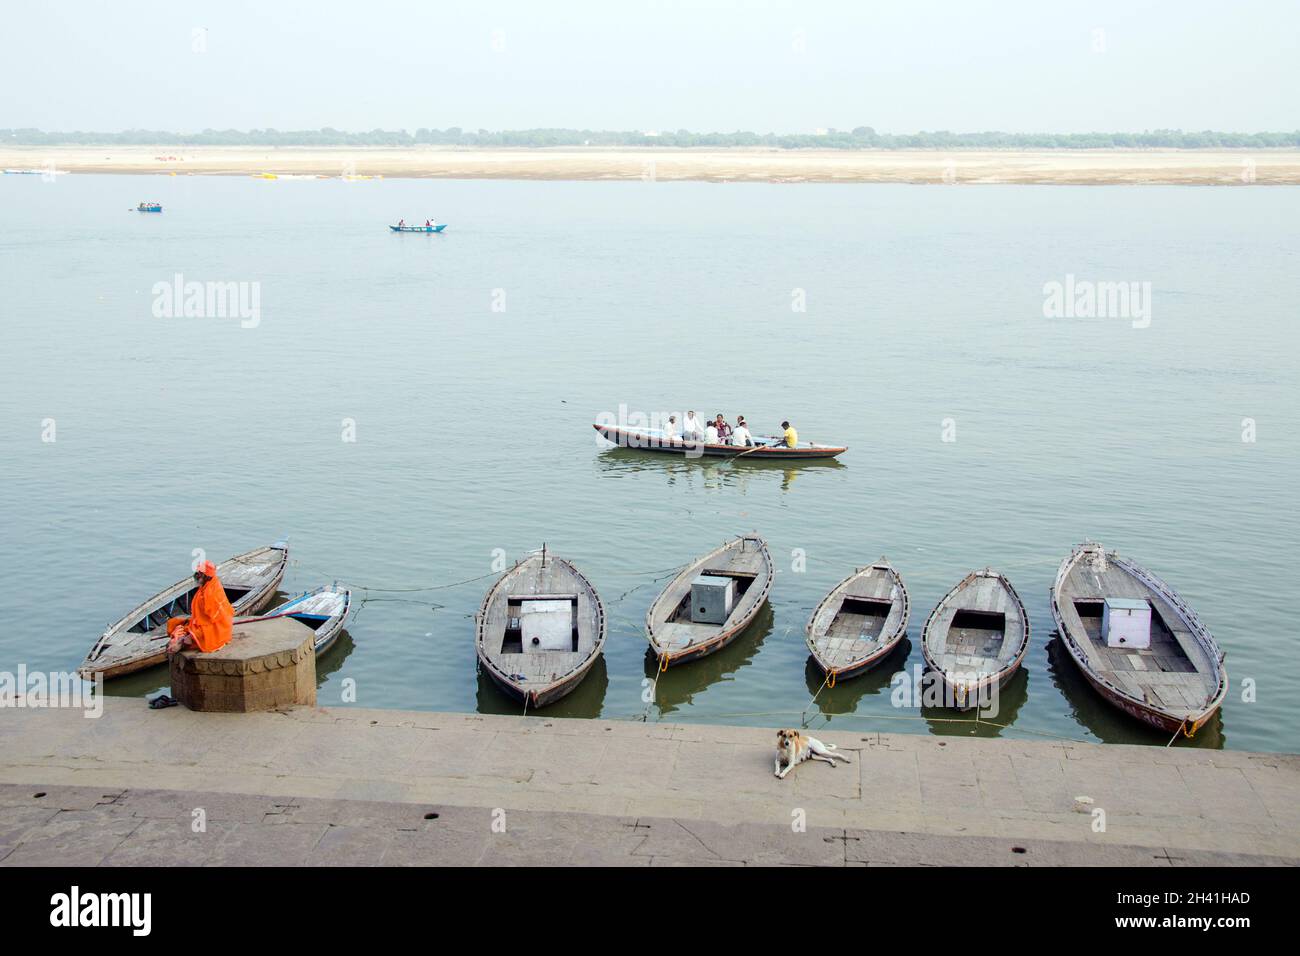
(1083, 167)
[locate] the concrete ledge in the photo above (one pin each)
(84, 826)
(904, 799)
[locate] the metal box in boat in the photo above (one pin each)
(712, 599)
(1126, 623)
(546, 625)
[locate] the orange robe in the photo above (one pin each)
(210, 620)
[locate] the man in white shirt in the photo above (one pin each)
(692, 428)
(670, 430)
(711, 434)
(740, 434)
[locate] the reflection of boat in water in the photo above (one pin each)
(330, 661)
(844, 699)
(586, 700)
(764, 448)
(710, 602)
(1157, 662)
(677, 686)
(615, 459)
(1108, 724)
(981, 721)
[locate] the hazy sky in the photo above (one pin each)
(1037, 65)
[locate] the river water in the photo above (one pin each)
(406, 408)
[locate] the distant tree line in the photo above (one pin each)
(862, 137)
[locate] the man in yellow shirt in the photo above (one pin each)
(791, 436)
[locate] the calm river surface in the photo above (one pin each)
(473, 425)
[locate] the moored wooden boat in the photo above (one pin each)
(1175, 683)
(139, 639)
(764, 449)
(324, 610)
(437, 228)
(540, 629)
(859, 622)
(975, 638)
(674, 625)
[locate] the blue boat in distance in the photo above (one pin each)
(149, 207)
(418, 228)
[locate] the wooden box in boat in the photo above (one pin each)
(768, 449)
(976, 638)
(1178, 682)
(674, 638)
(139, 639)
(539, 677)
(859, 622)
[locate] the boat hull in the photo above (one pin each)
(966, 695)
(425, 229)
(867, 662)
(591, 617)
(638, 441)
(1168, 723)
(667, 656)
(1163, 720)
(337, 600)
(541, 698)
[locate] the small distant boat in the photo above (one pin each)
(1169, 673)
(540, 629)
(324, 610)
(859, 622)
(149, 207)
(976, 638)
(438, 228)
(764, 449)
(708, 604)
(139, 639)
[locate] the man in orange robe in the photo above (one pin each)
(208, 626)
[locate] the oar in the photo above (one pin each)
(744, 453)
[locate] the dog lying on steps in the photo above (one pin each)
(794, 748)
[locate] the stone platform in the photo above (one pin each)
(266, 665)
(346, 785)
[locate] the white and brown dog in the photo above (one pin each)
(794, 748)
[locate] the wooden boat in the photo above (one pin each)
(540, 629)
(764, 449)
(859, 622)
(323, 610)
(674, 637)
(149, 207)
(976, 638)
(438, 228)
(1175, 684)
(139, 639)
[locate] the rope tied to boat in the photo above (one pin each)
(1182, 729)
(827, 681)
